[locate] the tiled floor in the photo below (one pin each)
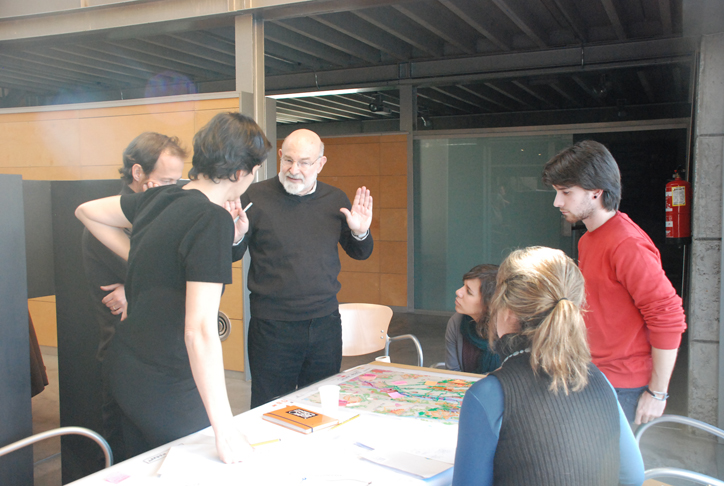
(663, 446)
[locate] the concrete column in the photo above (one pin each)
(408, 123)
(249, 41)
(704, 306)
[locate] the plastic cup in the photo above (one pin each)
(330, 398)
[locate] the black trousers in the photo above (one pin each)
(286, 355)
(156, 405)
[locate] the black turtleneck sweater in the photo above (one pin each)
(293, 245)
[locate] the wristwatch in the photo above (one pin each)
(661, 396)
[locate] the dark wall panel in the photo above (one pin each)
(79, 371)
(16, 422)
(38, 238)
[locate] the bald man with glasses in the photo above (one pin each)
(295, 225)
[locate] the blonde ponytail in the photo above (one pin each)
(544, 289)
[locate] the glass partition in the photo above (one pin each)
(476, 199)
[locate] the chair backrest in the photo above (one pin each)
(364, 328)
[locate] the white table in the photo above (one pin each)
(386, 424)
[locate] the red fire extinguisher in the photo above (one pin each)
(678, 211)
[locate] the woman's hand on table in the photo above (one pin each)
(231, 444)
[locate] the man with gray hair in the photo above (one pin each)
(295, 225)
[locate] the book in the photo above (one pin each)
(300, 419)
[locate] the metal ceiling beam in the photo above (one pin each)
(31, 67)
(288, 53)
(331, 102)
(587, 89)
(440, 22)
(363, 101)
(521, 20)
(181, 48)
(473, 14)
(631, 54)
(301, 114)
(304, 44)
(64, 77)
(333, 38)
(144, 47)
(96, 59)
(207, 41)
(444, 100)
(319, 104)
(94, 74)
(311, 107)
(614, 18)
(355, 27)
(556, 86)
(637, 52)
(533, 92)
(278, 64)
(446, 92)
(665, 14)
(476, 92)
(362, 104)
(646, 85)
(510, 95)
(144, 58)
(678, 82)
(168, 16)
(83, 64)
(400, 26)
(569, 11)
(8, 80)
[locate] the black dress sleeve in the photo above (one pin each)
(206, 248)
(131, 204)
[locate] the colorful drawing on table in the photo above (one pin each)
(394, 392)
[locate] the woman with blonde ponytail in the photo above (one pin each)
(547, 416)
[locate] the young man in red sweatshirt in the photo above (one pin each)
(635, 318)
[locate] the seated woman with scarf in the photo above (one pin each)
(547, 416)
(466, 337)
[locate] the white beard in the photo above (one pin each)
(292, 188)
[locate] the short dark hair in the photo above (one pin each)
(487, 275)
(589, 165)
(145, 150)
(228, 143)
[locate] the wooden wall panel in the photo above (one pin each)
(111, 135)
(87, 144)
(378, 162)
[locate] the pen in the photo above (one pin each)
(342, 423)
(245, 210)
(266, 442)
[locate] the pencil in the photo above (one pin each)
(266, 442)
(342, 423)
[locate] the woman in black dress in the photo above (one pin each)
(166, 370)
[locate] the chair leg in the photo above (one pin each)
(58, 432)
(406, 336)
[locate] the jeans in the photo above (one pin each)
(629, 400)
(286, 355)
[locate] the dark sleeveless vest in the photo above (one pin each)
(551, 439)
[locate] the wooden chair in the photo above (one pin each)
(364, 330)
(675, 472)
